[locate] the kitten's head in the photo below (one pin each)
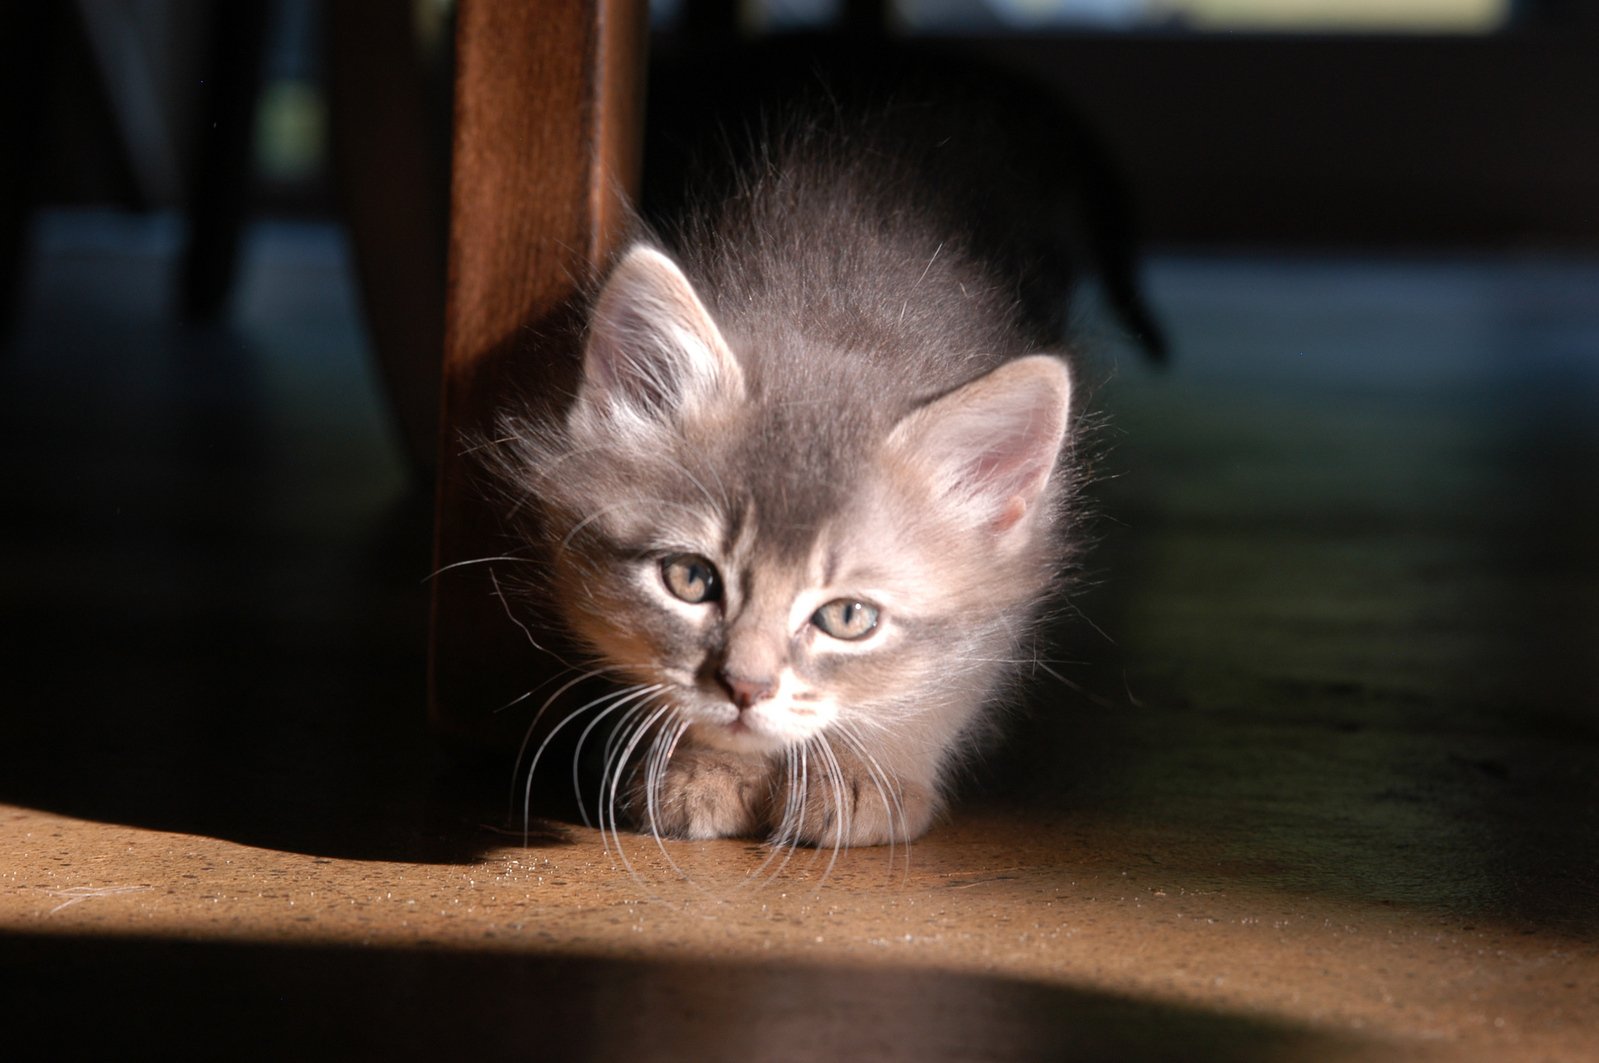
(785, 563)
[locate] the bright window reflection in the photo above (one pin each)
(1309, 16)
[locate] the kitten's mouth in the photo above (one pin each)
(767, 727)
(738, 734)
(739, 725)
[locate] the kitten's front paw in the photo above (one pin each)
(705, 793)
(854, 807)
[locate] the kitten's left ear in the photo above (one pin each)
(989, 447)
(653, 352)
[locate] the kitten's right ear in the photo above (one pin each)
(653, 353)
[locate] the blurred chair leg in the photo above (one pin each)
(220, 187)
(28, 41)
(392, 177)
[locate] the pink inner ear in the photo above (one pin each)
(993, 443)
(1014, 511)
(1011, 470)
(652, 345)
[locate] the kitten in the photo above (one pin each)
(809, 498)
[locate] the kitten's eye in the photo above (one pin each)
(691, 578)
(846, 619)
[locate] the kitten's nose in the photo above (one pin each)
(745, 692)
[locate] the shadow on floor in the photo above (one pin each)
(248, 1001)
(1352, 581)
(215, 563)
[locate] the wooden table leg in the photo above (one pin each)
(548, 116)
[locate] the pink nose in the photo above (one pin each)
(746, 692)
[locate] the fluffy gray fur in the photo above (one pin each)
(814, 396)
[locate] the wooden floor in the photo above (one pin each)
(1319, 778)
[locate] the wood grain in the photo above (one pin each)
(548, 118)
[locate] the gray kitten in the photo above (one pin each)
(806, 504)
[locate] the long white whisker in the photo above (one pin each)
(648, 713)
(662, 753)
(527, 737)
(532, 770)
(473, 561)
(893, 806)
(513, 618)
(638, 734)
(1104, 703)
(843, 819)
(630, 729)
(793, 810)
(655, 771)
(583, 674)
(629, 697)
